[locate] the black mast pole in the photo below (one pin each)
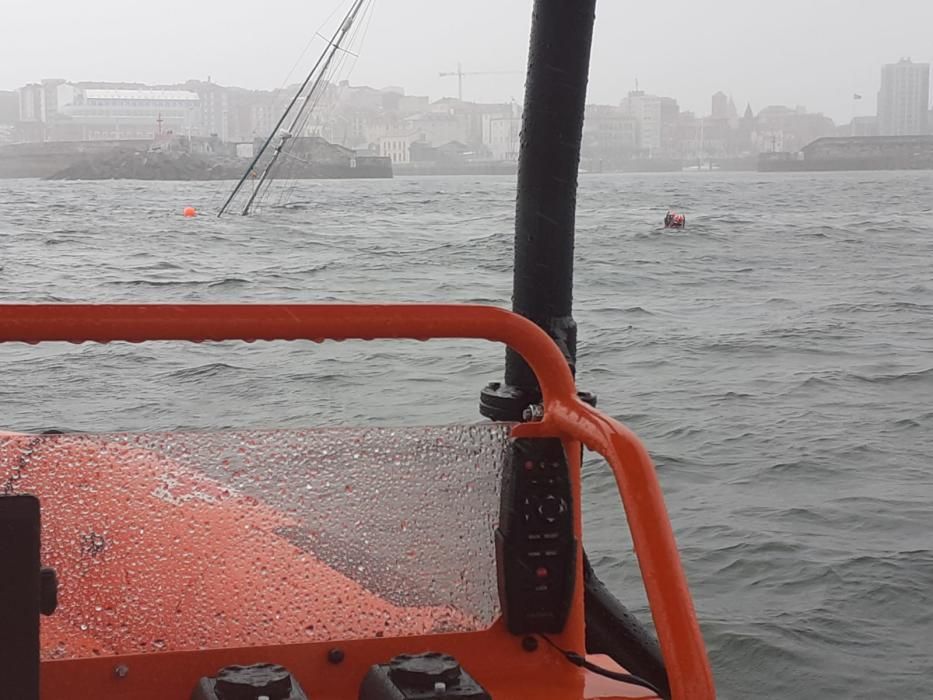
(545, 209)
(549, 157)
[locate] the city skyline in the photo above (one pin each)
(817, 57)
(869, 109)
(409, 129)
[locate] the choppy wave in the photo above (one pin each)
(780, 374)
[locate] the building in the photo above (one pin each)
(397, 147)
(610, 137)
(9, 114)
(904, 98)
(863, 126)
(502, 133)
(472, 117)
(56, 110)
(720, 106)
(703, 139)
(31, 104)
(857, 153)
(907, 149)
(213, 106)
(412, 104)
(502, 136)
(99, 114)
(780, 128)
(453, 153)
(657, 122)
(437, 127)
(38, 102)
(9, 107)
(253, 113)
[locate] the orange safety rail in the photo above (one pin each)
(565, 417)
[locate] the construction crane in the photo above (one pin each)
(459, 73)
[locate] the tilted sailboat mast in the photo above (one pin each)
(299, 105)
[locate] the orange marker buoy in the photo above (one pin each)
(189, 212)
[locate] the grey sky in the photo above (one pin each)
(811, 52)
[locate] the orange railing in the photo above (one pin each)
(565, 416)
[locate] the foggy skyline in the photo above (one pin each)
(793, 53)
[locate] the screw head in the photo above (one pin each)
(336, 655)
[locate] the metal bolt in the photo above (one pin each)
(530, 644)
(121, 671)
(336, 655)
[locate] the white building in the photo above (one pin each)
(213, 106)
(397, 147)
(502, 136)
(656, 118)
(904, 98)
(437, 128)
(121, 114)
(609, 135)
(31, 103)
(38, 102)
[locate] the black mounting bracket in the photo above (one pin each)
(26, 591)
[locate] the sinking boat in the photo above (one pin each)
(279, 147)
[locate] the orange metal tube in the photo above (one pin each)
(104, 323)
(669, 597)
(565, 416)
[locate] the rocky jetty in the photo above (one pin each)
(151, 165)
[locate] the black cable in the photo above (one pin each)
(580, 660)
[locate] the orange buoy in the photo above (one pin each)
(189, 212)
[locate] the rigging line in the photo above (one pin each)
(316, 92)
(265, 145)
(323, 86)
(359, 34)
(313, 98)
(316, 98)
(304, 51)
(325, 59)
(367, 20)
(338, 66)
(347, 26)
(268, 140)
(306, 118)
(284, 171)
(340, 48)
(286, 113)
